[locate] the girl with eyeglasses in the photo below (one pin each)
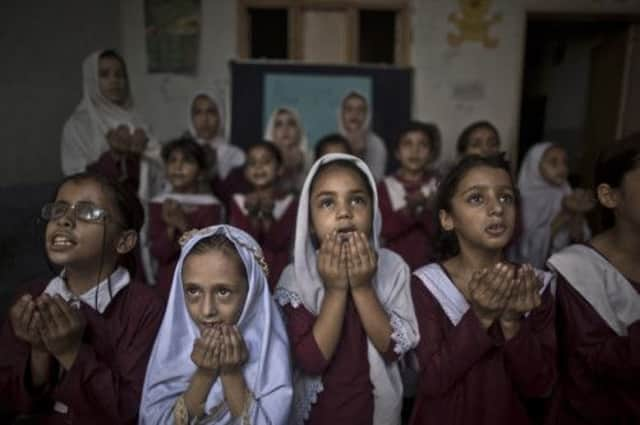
(75, 347)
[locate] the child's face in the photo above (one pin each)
(553, 166)
(182, 172)
(206, 119)
(482, 141)
(285, 130)
(75, 243)
(261, 168)
(111, 80)
(354, 113)
(483, 210)
(215, 288)
(339, 200)
(413, 151)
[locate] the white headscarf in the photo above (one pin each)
(376, 151)
(83, 137)
(541, 202)
(228, 156)
(267, 372)
(269, 134)
(300, 283)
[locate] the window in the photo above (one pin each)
(377, 36)
(269, 35)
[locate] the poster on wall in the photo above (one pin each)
(172, 30)
(317, 98)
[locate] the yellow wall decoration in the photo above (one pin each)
(473, 23)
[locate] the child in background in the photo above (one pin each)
(487, 327)
(354, 123)
(598, 300)
(206, 126)
(479, 138)
(405, 197)
(285, 130)
(553, 215)
(332, 143)
(349, 310)
(184, 206)
(105, 134)
(266, 213)
(221, 355)
(75, 348)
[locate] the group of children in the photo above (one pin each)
(311, 304)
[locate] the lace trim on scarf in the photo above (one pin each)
(284, 297)
(400, 334)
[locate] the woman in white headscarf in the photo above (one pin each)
(552, 213)
(206, 125)
(257, 390)
(354, 123)
(106, 131)
(360, 382)
(285, 130)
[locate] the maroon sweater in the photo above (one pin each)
(167, 251)
(347, 397)
(409, 236)
(473, 376)
(104, 385)
(275, 243)
(599, 370)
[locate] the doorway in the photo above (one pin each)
(575, 85)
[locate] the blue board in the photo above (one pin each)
(315, 97)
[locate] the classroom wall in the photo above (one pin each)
(43, 45)
(453, 85)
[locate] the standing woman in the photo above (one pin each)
(354, 123)
(105, 133)
(285, 130)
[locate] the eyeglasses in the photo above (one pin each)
(83, 211)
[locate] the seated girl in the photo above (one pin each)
(222, 354)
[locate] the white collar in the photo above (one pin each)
(119, 279)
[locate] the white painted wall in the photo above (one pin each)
(163, 99)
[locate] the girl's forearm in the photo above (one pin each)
(328, 325)
(41, 363)
(235, 392)
(375, 320)
(196, 394)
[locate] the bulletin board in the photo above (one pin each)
(315, 91)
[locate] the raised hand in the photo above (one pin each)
(174, 215)
(61, 327)
(416, 203)
(362, 260)
(25, 321)
(206, 350)
(234, 353)
(332, 262)
(118, 140)
(489, 291)
(138, 141)
(525, 295)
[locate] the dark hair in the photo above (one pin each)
(428, 129)
(112, 53)
(463, 140)
(263, 144)
(331, 139)
(217, 242)
(447, 241)
(611, 166)
(342, 163)
(354, 94)
(189, 148)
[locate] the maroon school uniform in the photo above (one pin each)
(235, 182)
(104, 385)
(277, 241)
(126, 171)
(599, 379)
(347, 396)
(167, 251)
(409, 235)
(472, 376)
